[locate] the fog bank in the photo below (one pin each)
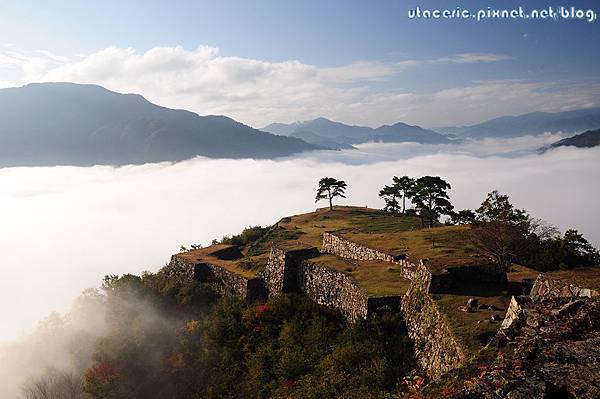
(64, 228)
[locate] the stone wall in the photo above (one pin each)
(281, 272)
(333, 289)
(221, 279)
(546, 288)
(436, 347)
(344, 248)
(180, 269)
(293, 271)
(274, 271)
(228, 282)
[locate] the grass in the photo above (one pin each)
(586, 277)
(442, 246)
(298, 231)
(474, 330)
(376, 278)
(205, 255)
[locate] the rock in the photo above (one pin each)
(472, 304)
(557, 359)
(567, 308)
(513, 313)
(496, 317)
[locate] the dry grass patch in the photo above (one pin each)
(586, 277)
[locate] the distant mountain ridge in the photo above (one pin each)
(314, 138)
(530, 124)
(588, 139)
(317, 130)
(73, 124)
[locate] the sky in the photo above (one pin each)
(360, 62)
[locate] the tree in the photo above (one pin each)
(465, 216)
(53, 384)
(330, 188)
(578, 250)
(404, 185)
(497, 207)
(390, 195)
(431, 199)
(500, 231)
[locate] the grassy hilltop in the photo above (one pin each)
(167, 337)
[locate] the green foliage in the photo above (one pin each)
(506, 234)
(497, 208)
(330, 188)
(172, 340)
(390, 196)
(569, 251)
(430, 197)
(401, 188)
(465, 216)
(257, 239)
(247, 236)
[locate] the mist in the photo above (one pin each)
(64, 228)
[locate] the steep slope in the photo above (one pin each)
(65, 123)
(530, 124)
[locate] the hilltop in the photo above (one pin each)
(348, 302)
(457, 305)
(74, 124)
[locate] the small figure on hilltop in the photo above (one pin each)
(330, 188)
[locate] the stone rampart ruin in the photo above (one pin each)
(436, 347)
(222, 280)
(297, 270)
(547, 288)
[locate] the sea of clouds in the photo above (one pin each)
(64, 228)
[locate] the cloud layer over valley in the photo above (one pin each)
(67, 227)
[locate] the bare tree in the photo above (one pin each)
(53, 385)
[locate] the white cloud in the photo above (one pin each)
(259, 92)
(64, 228)
(470, 58)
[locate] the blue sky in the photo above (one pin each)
(322, 34)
